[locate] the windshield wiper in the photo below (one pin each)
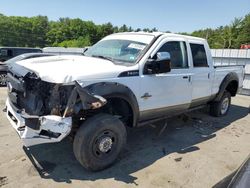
(84, 50)
(104, 57)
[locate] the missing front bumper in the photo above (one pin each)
(46, 129)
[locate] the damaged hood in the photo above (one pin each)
(67, 69)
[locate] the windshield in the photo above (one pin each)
(117, 50)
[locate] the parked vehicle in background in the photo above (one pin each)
(4, 65)
(245, 46)
(126, 79)
(7, 53)
(3, 73)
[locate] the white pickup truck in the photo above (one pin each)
(125, 80)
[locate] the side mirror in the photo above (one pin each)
(163, 56)
(160, 64)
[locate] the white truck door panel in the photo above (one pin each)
(166, 90)
(171, 90)
(201, 82)
(202, 71)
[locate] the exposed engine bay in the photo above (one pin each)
(43, 112)
(41, 98)
(36, 97)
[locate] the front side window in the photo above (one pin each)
(199, 55)
(117, 50)
(178, 53)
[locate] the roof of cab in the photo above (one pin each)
(157, 34)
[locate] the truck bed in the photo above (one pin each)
(220, 73)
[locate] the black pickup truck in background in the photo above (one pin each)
(13, 54)
(4, 67)
(7, 53)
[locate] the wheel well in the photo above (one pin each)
(121, 108)
(232, 87)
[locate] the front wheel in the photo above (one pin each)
(99, 141)
(221, 107)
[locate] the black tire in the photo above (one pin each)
(216, 108)
(87, 143)
(3, 77)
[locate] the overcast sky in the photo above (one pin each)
(165, 15)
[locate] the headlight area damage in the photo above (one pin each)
(43, 112)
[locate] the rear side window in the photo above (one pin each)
(178, 53)
(199, 55)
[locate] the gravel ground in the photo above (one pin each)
(195, 150)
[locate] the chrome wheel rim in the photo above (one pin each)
(3, 79)
(105, 144)
(224, 106)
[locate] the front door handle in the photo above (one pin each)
(187, 77)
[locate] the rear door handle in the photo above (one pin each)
(185, 77)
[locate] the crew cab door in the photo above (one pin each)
(202, 73)
(167, 93)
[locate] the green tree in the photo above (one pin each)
(38, 31)
(80, 42)
(244, 31)
(124, 28)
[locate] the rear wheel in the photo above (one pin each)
(99, 141)
(3, 78)
(221, 107)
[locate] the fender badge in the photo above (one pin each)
(146, 96)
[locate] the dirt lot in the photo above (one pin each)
(197, 152)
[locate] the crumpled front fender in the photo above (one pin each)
(88, 100)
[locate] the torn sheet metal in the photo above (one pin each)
(52, 128)
(88, 101)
